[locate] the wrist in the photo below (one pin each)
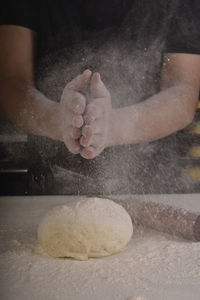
(52, 121)
(112, 134)
(121, 126)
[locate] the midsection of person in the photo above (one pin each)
(102, 38)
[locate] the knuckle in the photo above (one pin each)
(77, 121)
(88, 118)
(73, 146)
(77, 133)
(74, 100)
(84, 142)
(87, 130)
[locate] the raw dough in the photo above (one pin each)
(91, 227)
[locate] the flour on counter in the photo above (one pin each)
(153, 266)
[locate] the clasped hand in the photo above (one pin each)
(85, 110)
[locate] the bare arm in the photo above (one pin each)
(20, 101)
(24, 105)
(166, 112)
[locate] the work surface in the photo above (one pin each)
(153, 266)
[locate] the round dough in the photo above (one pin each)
(91, 227)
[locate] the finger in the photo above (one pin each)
(75, 101)
(97, 87)
(77, 121)
(85, 142)
(97, 127)
(94, 111)
(78, 105)
(87, 131)
(75, 133)
(73, 146)
(80, 82)
(96, 141)
(90, 152)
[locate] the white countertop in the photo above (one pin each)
(154, 266)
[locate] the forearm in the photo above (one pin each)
(166, 112)
(25, 106)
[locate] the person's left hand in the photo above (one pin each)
(96, 119)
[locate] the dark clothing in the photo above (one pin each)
(124, 40)
(62, 23)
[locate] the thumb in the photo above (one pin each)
(80, 82)
(97, 87)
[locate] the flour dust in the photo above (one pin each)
(130, 66)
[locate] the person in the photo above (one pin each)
(96, 75)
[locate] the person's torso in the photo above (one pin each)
(104, 36)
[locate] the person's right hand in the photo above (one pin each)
(97, 116)
(72, 105)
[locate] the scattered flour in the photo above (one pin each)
(153, 266)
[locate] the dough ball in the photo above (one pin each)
(91, 227)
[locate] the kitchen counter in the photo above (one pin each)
(153, 266)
